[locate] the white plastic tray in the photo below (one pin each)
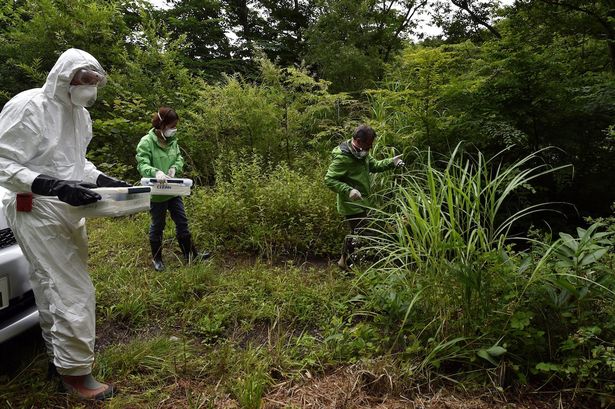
(116, 201)
(172, 187)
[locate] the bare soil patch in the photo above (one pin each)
(113, 333)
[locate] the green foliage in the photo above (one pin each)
(462, 20)
(351, 40)
(105, 151)
(586, 359)
(574, 19)
(282, 116)
(270, 209)
(249, 390)
(424, 95)
(145, 73)
(452, 213)
(533, 88)
(242, 114)
(583, 253)
(449, 294)
(41, 30)
(200, 24)
(350, 342)
(554, 88)
(129, 100)
(448, 290)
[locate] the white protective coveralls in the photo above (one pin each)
(42, 132)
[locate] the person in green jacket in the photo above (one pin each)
(158, 156)
(348, 176)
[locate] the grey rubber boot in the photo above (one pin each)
(87, 388)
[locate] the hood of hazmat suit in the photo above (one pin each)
(43, 132)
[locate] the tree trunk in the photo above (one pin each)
(243, 13)
(407, 18)
(297, 24)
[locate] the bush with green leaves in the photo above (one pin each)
(573, 286)
(281, 116)
(272, 209)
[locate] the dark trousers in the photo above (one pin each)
(355, 222)
(158, 211)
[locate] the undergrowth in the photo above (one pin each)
(230, 331)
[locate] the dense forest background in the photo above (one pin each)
(289, 79)
(511, 107)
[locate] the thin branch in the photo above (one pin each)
(604, 22)
(404, 24)
(465, 5)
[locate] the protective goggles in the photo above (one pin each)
(88, 77)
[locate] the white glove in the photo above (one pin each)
(171, 172)
(355, 195)
(397, 161)
(160, 176)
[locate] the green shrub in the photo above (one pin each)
(271, 209)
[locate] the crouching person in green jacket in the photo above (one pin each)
(348, 176)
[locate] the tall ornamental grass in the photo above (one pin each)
(447, 292)
(452, 211)
(439, 246)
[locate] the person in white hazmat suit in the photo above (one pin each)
(44, 134)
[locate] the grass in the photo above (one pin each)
(194, 335)
(230, 333)
(244, 332)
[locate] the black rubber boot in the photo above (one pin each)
(157, 255)
(189, 251)
(52, 372)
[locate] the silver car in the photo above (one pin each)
(18, 311)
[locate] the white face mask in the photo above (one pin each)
(83, 95)
(357, 152)
(169, 133)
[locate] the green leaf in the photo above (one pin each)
(547, 367)
(593, 257)
(496, 351)
(520, 320)
(569, 242)
(485, 355)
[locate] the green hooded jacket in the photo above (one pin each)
(347, 172)
(151, 157)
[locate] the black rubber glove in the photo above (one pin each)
(107, 181)
(68, 191)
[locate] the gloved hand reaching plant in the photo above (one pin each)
(397, 161)
(355, 195)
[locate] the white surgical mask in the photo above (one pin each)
(169, 133)
(83, 95)
(357, 152)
